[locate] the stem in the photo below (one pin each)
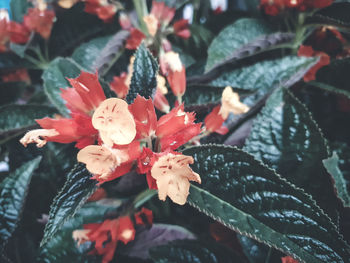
(267, 260)
(179, 99)
(143, 197)
(141, 11)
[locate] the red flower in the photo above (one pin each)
(177, 81)
(163, 13)
(324, 59)
(273, 7)
(100, 8)
(213, 121)
(19, 34)
(77, 129)
(145, 116)
(181, 28)
(176, 128)
(144, 166)
(124, 21)
(289, 260)
(119, 86)
(89, 89)
(135, 39)
(160, 102)
(20, 75)
(4, 35)
(145, 216)
(40, 21)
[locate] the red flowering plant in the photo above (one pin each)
(171, 131)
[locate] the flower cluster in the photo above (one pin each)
(38, 19)
(157, 27)
(104, 9)
(107, 234)
(274, 7)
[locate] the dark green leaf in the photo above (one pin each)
(10, 60)
(264, 76)
(77, 189)
(202, 94)
(19, 50)
(54, 78)
(112, 50)
(332, 166)
(286, 138)
(246, 196)
(15, 117)
(10, 91)
(233, 37)
(62, 248)
(335, 15)
(87, 53)
(334, 77)
(18, 9)
(158, 234)
(190, 251)
(144, 77)
(342, 149)
(13, 192)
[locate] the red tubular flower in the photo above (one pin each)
(144, 166)
(145, 216)
(160, 102)
(119, 86)
(213, 121)
(4, 35)
(289, 260)
(99, 194)
(272, 7)
(163, 13)
(145, 116)
(135, 39)
(101, 8)
(324, 59)
(78, 129)
(19, 34)
(124, 21)
(20, 75)
(40, 21)
(177, 81)
(89, 89)
(181, 28)
(176, 128)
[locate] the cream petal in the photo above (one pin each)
(38, 136)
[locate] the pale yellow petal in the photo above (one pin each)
(161, 84)
(151, 23)
(98, 159)
(172, 59)
(230, 103)
(172, 174)
(38, 136)
(80, 236)
(113, 119)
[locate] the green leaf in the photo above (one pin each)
(189, 251)
(233, 37)
(262, 77)
(87, 53)
(334, 77)
(18, 9)
(54, 78)
(246, 196)
(13, 192)
(15, 117)
(19, 50)
(144, 77)
(332, 166)
(77, 189)
(62, 248)
(286, 138)
(343, 152)
(196, 95)
(11, 91)
(335, 15)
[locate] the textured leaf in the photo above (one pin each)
(18, 9)
(144, 77)
(110, 53)
(335, 15)
(62, 248)
(86, 54)
(54, 78)
(286, 138)
(246, 196)
(332, 166)
(264, 76)
(158, 234)
(14, 117)
(72, 196)
(13, 192)
(343, 152)
(12, 61)
(202, 94)
(189, 251)
(233, 37)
